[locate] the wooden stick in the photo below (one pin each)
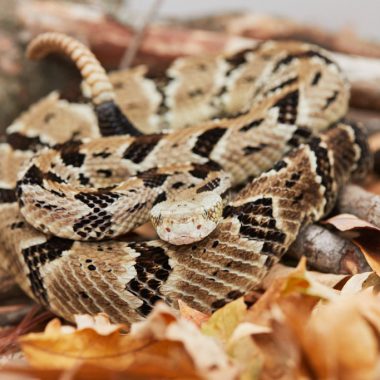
(328, 252)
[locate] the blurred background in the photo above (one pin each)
(362, 15)
(125, 33)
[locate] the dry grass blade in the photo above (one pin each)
(34, 319)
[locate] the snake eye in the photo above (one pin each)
(199, 227)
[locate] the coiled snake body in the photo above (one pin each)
(265, 102)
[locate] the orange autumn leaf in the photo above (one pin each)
(262, 343)
(365, 235)
(208, 356)
(80, 372)
(163, 361)
(279, 270)
(340, 339)
(95, 340)
(299, 283)
(191, 314)
(335, 337)
(164, 346)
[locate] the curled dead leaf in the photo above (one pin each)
(365, 235)
(191, 314)
(95, 340)
(334, 338)
(362, 281)
(96, 343)
(298, 284)
(279, 270)
(208, 356)
(339, 340)
(224, 321)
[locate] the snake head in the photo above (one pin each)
(187, 221)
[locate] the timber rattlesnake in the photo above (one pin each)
(264, 103)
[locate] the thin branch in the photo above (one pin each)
(131, 52)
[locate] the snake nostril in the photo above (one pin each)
(167, 229)
(199, 227)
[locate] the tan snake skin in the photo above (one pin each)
(272, 96)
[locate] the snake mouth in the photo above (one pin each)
(184, 240)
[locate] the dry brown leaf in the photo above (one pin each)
(249, 337)
(224, 321)
(191, 314)
(165, 360)
(208, 356)
(158, 362)
(304, 282)
(338, 341)
(327, 340)
(331, 280)
(362, 281)
(162, 347)
(247, 356)
(365, 235)
(79, 373)
(227, 325)
(275, 351)
(244, 351)
(95, 340)
(280, 352)
(299, 283)
(263, 344)
(277, 271)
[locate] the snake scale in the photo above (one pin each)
(267, 119)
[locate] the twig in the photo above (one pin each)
(13, 314)
(32, 320)
(131, 52)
